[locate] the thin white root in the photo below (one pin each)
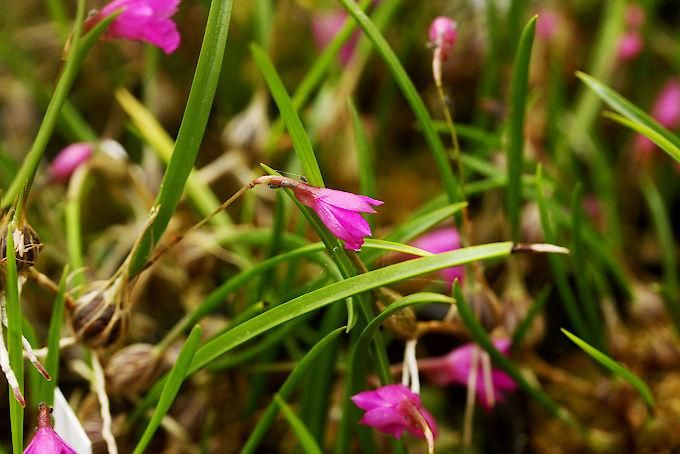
(6, 369)
(99, 387)
(28, 350)
(412, 364)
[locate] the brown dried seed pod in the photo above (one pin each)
(27, 246)
(100, 316)
(133, 369)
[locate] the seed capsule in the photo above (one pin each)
(133, 369)
(100, 317)
(27, 246)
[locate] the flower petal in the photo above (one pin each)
(347, 200)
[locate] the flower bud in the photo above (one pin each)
(27, 246)
(443, 34)
(132, 369)
(68, 160)
(100, 317)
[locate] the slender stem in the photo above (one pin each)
(470, 402)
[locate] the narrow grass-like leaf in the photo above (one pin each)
(519, 87)
(364, 154)
(412, 96)
(307, 442)
(662, 140)
(472, 133)
(646, 125)
(269, 415)
(301, 142)
(53, 337)
(14, 344)
(482, 338)
(191, 130)
(74, 234)
(171, 387)
(615, 367)
(341, 290)
(524, 325)
(153, 133)
(664, 233)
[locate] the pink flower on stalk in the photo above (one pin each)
(324, 28)
(443, 34)
(457, 365)
(393, 409)
(340, 211)
(68, 160)
(46, 440)
(630, 45)
(142, 20)
(443, 240)
(665, 110)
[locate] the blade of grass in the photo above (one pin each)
(307, 441)
(171, 387)
(411, 94)
(535, 309)
(482, 338)
(519, 87)
(269, 415)
(192, 128)
(615, 367)
(14, 344)
(53, 337)
(662, 140)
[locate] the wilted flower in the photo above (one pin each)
(443, 240)
(46, 440)
(339, 211)
(142, 20)
(324, 28)
(457, 365)
(393, 409)
(630, 45)
(68, 160)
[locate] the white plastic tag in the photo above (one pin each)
(68, 427)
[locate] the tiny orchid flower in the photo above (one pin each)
(456, 367)
(46, 440)
(443, 34)
(142, 20)
(68, 160)
(630, 45)
(339, 211)
(324, 28)
(393, 409)
(443, 240)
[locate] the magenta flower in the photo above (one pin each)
(324, 28)
(457, 365)
(630, 45)
(443, 240)
(547, 25)
(46, 440)
(339, 211)
(68, 160)
(142, 20)
(665, 110)
(393, 409)
(443, 34)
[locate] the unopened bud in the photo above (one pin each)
(68, 160)
(100, 317)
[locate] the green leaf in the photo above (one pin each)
(191, 130)
(306, 440)
(519, 87)
(648, 131)
(412, 96)
(269, 415)
(301, 142)
(645, 124)
(53, 337)
(171, 387)
(615, 367)
(340, 290)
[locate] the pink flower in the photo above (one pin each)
(68, 160)
(547, 25)
(443, 240)
(630, 45)
(456, 366)
(665, 110)
(46, 440)
(324, 28)
(443, 34)
(393, 409)
(142, 20)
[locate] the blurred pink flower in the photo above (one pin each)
(456, 366)
(547, 25)
(630, 45)
(340, 211)
(443, 240)
(68, 160)
(142, 20)
(46, 440)
(393, 409)
(665, 110)
(443, 34)
(324, 28)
